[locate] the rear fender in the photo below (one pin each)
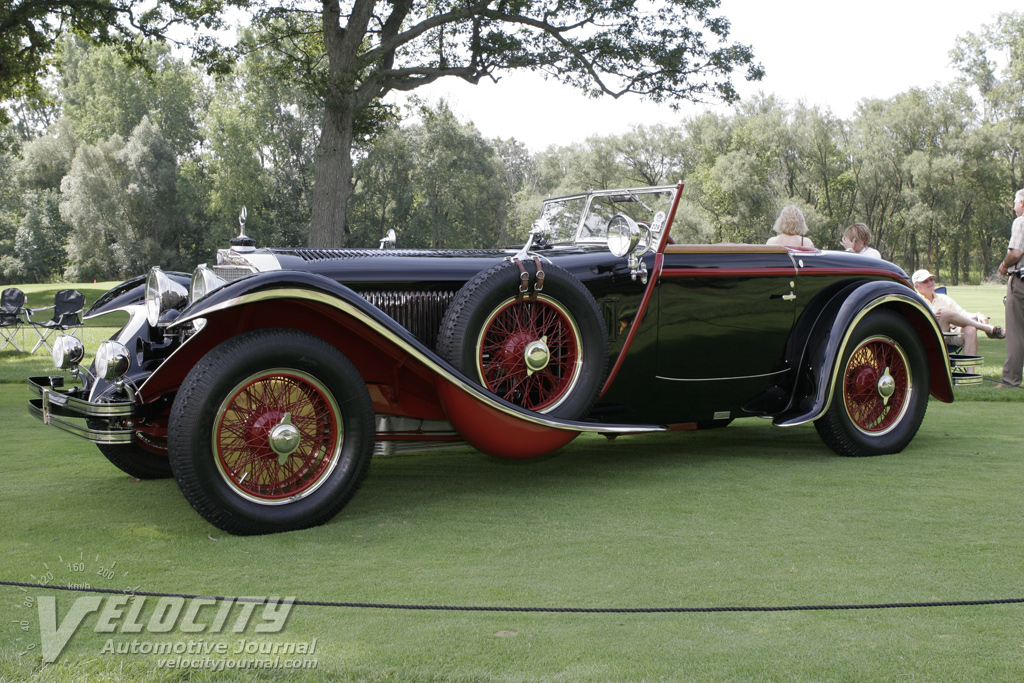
(831, 326)
(404, 377)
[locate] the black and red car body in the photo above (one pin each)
(263, 383)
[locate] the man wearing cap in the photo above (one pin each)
(951, 314)
(1012, 266)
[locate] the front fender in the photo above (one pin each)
(404, 376)
(831, 325)
(129, 293)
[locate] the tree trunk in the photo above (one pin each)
(332, 179)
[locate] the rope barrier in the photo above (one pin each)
(558, 610)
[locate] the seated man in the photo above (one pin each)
(950, 314)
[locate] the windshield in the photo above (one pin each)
(585, 218)
(563, 217)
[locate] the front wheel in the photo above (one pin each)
(136, 460)
(881, 390)
(271, 431)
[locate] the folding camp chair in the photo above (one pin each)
(68, 305)
(12, 317)
(954, 340)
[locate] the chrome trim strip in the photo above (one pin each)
(720, 379)
(115, 436)
(958, 360)
(77, 405)
(431, 364)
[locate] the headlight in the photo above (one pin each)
(112, 360)
(67, 352)
(204, 281)
(623, 235)
(162, 294)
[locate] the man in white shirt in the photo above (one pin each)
(1012, 266)
(951, 314)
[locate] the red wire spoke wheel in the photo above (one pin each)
(876, 385)
(263, 459)
(880, 392)
(272, 430)
(529, 352)
(545, 351)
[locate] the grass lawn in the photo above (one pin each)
(748, 515)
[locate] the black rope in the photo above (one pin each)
(560, 610)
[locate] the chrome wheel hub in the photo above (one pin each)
(284, 438)
(886, 386)
(536, 355)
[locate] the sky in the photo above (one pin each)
(831, 54)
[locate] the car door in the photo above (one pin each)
(724, 315)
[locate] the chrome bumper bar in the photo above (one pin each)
(59, 407)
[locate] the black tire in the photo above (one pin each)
(487, 329)
(236, 397)
(862, 420)
(137, 461)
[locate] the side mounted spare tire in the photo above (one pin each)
(546, 350)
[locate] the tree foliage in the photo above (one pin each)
(670, 51)
(434, 183)
(31, 31)
(142, 170)
(119, 199)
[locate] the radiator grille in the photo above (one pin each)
(419, 312)
(229, 273)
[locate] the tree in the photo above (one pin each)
(47, 159)
(38, 250)
(821, 142)
(609, 47)
(434, 183)
(261, 130)
(102, 95)
(30, 31)
(119, 198)
(653, 155)
(992, 62)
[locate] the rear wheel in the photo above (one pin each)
(271, 431)
(881, 390)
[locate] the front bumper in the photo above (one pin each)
(66, 408)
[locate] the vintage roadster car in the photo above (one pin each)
(263, 382)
